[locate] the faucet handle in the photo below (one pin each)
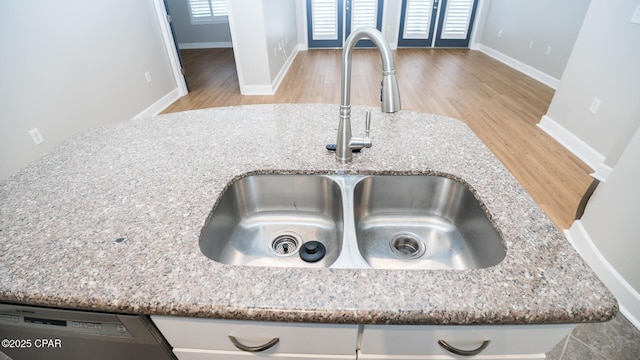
(367, 123)
(357, 143)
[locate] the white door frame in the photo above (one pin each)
(171, 47)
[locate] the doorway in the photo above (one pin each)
(201, 34)
(436, 23)
(330, 22)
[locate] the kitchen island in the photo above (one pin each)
(110, 221)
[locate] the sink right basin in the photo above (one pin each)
(423, 222)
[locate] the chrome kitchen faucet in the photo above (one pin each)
(390, 96)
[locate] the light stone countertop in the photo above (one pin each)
(154, 181)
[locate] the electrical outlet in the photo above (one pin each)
(595, 105)
(36, 136)
(530, 44)
(548, 51)
(499, 33)
(636, 16)
(147, 75)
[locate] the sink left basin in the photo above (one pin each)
(264, 220)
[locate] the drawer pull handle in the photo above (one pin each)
(457, 351)
(258, 348)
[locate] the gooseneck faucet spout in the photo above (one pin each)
(390, 96)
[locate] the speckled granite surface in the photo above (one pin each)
(152, 182)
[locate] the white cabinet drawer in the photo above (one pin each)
(192, 354)
(294, 338)
(419, 341)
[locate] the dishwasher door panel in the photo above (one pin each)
(55, 334)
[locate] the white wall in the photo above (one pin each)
(301, 27)
(482, 13)
(541, 24)
(391, 21)
(611, 216)
(247, 32)
(604, 64)
(70, 65)
(606, 235)
(258, 29)
(191, 36)
(281, 33)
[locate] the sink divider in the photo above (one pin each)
(350, 257)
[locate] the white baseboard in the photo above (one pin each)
(256, 89)
(518, 65)
(205, 45)
(602, 172)
(579, 148)
(276, 82)
(160, 105)
(628, 298)
(271, 89)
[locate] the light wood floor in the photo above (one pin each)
(501, 105)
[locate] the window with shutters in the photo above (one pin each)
(456, 19)
(364, 13)
(325, 19)
(417, 19)
(438, 23)
(208, 11)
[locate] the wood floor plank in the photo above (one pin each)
(501, 105)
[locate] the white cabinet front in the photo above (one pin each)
(205, 339)
(191, 354)
(199, 339)
(457, 342)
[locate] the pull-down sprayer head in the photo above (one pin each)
(390, 93)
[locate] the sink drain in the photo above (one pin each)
(407, 245)
(285, 244)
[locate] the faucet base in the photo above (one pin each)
(343, 148)
(346, 144)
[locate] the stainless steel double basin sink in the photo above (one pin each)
(357, 221)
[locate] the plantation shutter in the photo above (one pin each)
(325, 19)
(365, 13)
(208, 11)
(417, 19)
(456, 19)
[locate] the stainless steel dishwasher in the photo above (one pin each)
(31, 333)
